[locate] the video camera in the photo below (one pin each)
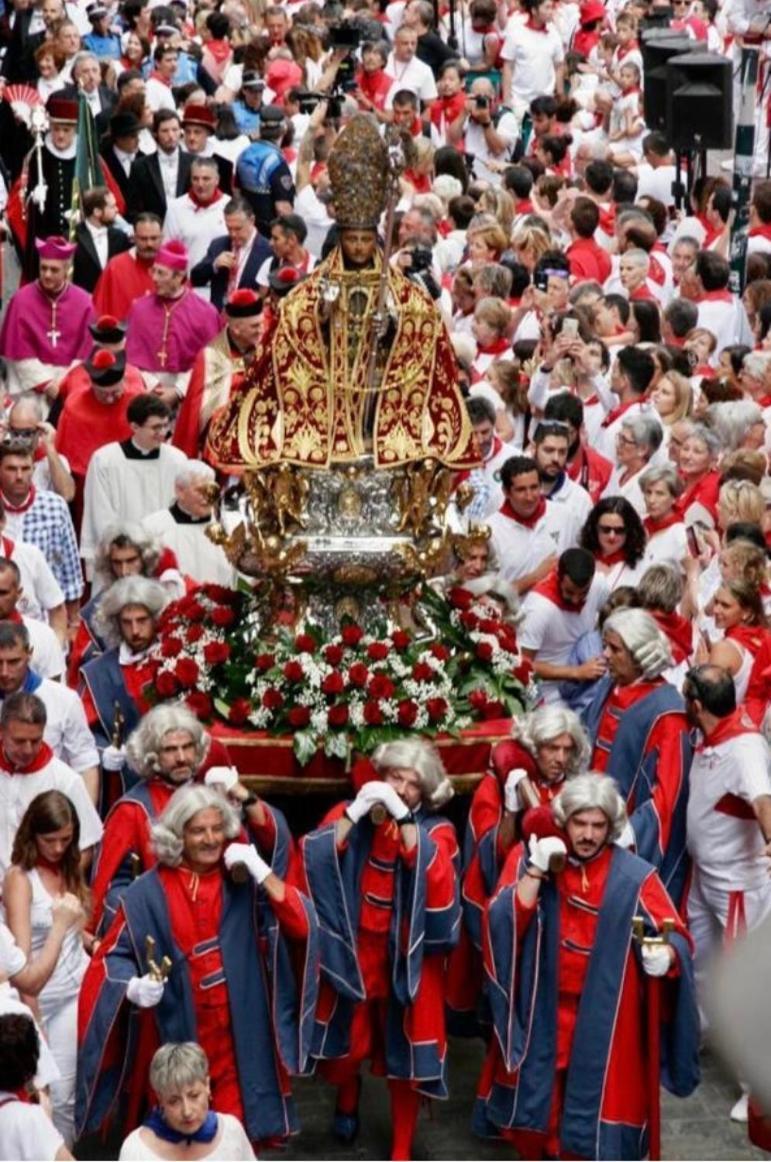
(341, 36)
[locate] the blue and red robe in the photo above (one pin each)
(565, 1073)
(388, 917)
(641, 738)
(243, 983)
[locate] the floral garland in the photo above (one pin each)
(347, 694)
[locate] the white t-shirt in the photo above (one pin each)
(316, 217)
(26, 1132)
(567, 512)
(40, 591)
(727, 848)
(551, 632)
(232, 1144)
(534, 55)
(415, 76)
(507, 127)
(66, 730)
(668, 547)
(47, 654)
(520, 549)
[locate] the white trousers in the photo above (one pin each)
(60, 1022)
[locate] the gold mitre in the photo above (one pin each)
(358, 174)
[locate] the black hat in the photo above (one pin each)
(284, 279)
(243, 303)
(124, 124)
(106, 368)
(107, 329)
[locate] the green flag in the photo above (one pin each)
(88, 172)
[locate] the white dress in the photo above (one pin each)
(231, 1143)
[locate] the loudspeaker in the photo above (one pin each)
(699, 101)
(658, 46)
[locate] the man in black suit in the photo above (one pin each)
(163, 176)
(233, 261)
(97, 239)
(120, 149)
(86, 79)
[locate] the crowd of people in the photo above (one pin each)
(173, 953)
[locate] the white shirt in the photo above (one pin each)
(520, 549)
(727, 321)
(668, 547)
(551, 632)
(195, 553)
(47, 654)
(26, 1132)
(99, 239)
(18, 790)
(534, 56)
(67, 731)
(158, 95)
(567, 512)
(196, 226)
(630, 489)
(169, 167)
(415, 75)
(232, 1144)
(40, 591)
(605, 441)
(728, 850)
(316, 217)
(476, 145)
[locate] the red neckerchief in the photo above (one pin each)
(617, 412)
(764, 401)
(529, 522)
(523, 206)
(495, 348)
(615, 558)
(761, 231)
(655, 525)
(584, 41)
(656, 270)
(550, 589)
(448, 108)
(219, 49)
(634, 89)
(642, 294)
(607, 218)
(14, 616)
(24, 506)
(40, 761)
(704, 491)
(717, 296)
(157, 77)
(8, 547)
(374, 85)
(533, 27)
(201, 205)
(730, 727)
(625, 49)
(495, 448)
(751, 637)
(678, 631)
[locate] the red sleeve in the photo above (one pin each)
(92, 718)
(263, 834)
(659, 906)
(291, 914)
(77, 649)
(486, 807)
(667, 738)
(122, 829)
(187, 434)
(440, 874)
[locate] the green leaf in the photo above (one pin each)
(305, 746)
(336, 745)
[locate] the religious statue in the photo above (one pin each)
(359, 361)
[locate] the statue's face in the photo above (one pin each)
(358, 246)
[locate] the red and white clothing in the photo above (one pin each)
(591, 470)
(551, 627)
(605, 442)
(759, 239)
(41, 591)
(569, 507)
(535, 54)
(627, 486)
(196, 224)
(415, 75)
(521, 545)
(489, 474)
(667, 541)
(724, 315)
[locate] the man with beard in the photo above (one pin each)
(641, 738)
(486, 480)
(521, 537)
(569, 504)
(241, 979)
(167, 750)
(563, 1076)
(127, 276)
(584, 466)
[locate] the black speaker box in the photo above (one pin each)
(699, 101)
(658, 46)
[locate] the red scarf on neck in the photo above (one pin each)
(529, 522)
(617, 412)
(703, 491)
(41, 760)
(614, 558)
(25, 505)
(752, 637)
(761, 231)
(200, 204)
(550, 589)
(653, 525)
(717, 296)
(497, 347)
(8, 547)
(678, 631)
(730, 727)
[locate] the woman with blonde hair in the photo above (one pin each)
(672, 398)
(745, 649)
(485, 244)
(739, 500)
(497, 201)
(529, 244)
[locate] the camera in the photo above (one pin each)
(541, 280)
(344, 36)
(482, 102)
(419, 271)
(422, 258)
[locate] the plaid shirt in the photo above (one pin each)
(47, 523)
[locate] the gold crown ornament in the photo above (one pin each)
(359, 175)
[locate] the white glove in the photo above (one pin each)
(627, 838)
(542, 851)
(394, 805)
(368, 796)
(656, 959)
(244, 853)
(113, 758)
(222, 778)
(511, 789)
(144, 991)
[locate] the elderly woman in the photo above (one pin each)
(698, 458)
(228, 958)
(636, 443)
(381, 872)
(661, 592)
(168, 749)
(667, 542)
(738, 423)
(182, 1124)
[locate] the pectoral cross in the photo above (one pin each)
(162, 357)
(53, 334)
(162, 354)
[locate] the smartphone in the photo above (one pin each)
(570, 328)
(694, 545)
(541, 280)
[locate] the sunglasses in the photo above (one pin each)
(611, 530)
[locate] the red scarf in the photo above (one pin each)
(656, 270)
(40, 761)
(615, 558)
(8, 547)
(655, 525)
(643, 294)
(607, 218)
(550, 589)
(711, 232)
(752, 637)
(678, 631)
(534, 27)
(761, 231)
(625, 49)
(25, 505)
(448, 108)
(703, 491)
(584, 41)
(764, 401)
(617, 412)
(529, 522)
(497, 347)
(717, 296)
(732, 726)
(523, 206)
(201, 205)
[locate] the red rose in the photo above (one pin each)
(407, 712)
(437, 708)
(299, 716)
(171, 647)
(338, 714)
(422, 672)
(166, 684)
(186, 673)
(293, 672)
(469, 619)
(401, 639)
(487, 625)
(478, 700)
(381, 687)
(215, 653)
(239, 711)
(333, 683)
(372, 714)
(334, 655)
(440, 652)
(460, 598)
(273, 699)
(195, 611)
(524, 671)
(304, 643)
(264, 662)
(351, 635)
(358, 675)
(223, 616)
(194, 634)
(494, 710)
(507, 640)
(377, 651)
(200, 704)
(219, 593)
(484, 651)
